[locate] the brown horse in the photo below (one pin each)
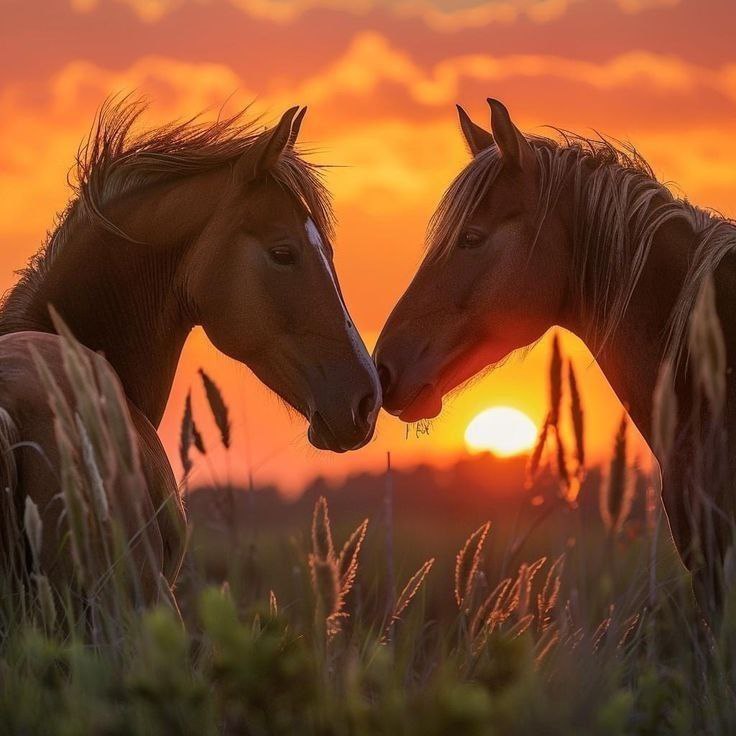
(218, 225)
(578, 233)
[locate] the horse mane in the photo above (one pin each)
(618, 207)
(113, 161)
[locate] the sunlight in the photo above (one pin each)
(502, 430)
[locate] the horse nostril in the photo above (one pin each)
(385, 377)
(365, 409)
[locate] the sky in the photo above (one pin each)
(380, 78)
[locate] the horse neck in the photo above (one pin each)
(632, 355)
(126, 299)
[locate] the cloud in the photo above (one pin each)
(443, 15)
(45, 135)
(371, 60)
(368, 64)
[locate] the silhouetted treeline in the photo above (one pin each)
(472, 490)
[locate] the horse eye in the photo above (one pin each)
(283, 255)
(470, 239)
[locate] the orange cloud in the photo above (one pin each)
(439, 15)
(371, 59)
(386, 153)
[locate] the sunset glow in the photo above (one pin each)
(380, 80)
(502, 430)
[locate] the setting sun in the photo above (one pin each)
(502, 430)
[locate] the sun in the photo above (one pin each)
(502, 430)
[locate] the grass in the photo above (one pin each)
(548, 622)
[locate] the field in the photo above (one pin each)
(524, 596)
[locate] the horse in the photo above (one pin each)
(577, 232)
(218, 224)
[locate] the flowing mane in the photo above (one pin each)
(618, 207)
(114, 160)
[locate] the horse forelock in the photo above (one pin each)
(114, 160)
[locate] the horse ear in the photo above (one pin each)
(476, 137)
(265, 154)
(296, 126)
(514, 147)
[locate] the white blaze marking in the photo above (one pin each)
(316, 241)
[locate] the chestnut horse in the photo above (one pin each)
(578, 233)
(213, 224)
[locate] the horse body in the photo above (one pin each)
(23, 396)
(535, 233)
(192, 224)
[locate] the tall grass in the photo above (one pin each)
(489, 638)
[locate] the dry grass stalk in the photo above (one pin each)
(550, 637)
(521, 591)
(9, 437)
(273, 604)
(509, 598)
(628, 629)
(535, 459)
(664, 414)
(487, 612)
(707, 346)
(189, 435)
(578, 419)
(467, 564)
(218, 407)
(347, 562)
(332, 577)
(46, 603)
(569, 484)
(322, 546)
(600, 634)
(410, 590)
(75, 506)
(521, 626)
(96, 484)
(555, 382)
(99, 465)
(617, 491)
(186, 435)
(326, 585)
(549, 595)
(34, 530)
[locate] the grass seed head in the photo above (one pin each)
(322, 546)
(618, 489)
(664, 414)
(549, 595)
(411, 588)
(707, 346)
(218, 407)
(46, 603)
(578, 418)
(347, 562)
(535, 458)
(96, 484)
(555, 381)
(467, 564)
(34, 530)
(326, 585)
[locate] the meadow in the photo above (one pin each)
(526, 596)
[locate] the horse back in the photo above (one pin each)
(37, 463)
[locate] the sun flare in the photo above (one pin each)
(502, 430)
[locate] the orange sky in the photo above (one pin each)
(380, 78)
